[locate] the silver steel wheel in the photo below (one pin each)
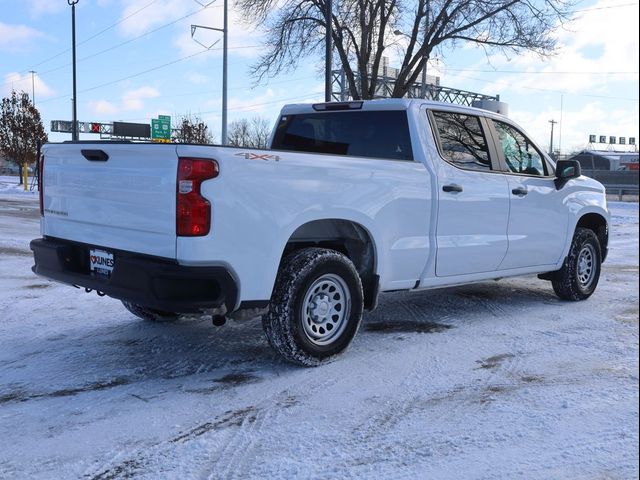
(326, 308)
(586, 270)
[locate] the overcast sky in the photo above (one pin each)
(136, 59)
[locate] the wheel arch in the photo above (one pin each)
(599, 225)
(348, 237)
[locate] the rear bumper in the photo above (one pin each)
(150, 281)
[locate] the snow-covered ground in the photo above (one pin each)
(499, 380)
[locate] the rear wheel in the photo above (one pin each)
(316, 307)
(578, 277)
(150, 314)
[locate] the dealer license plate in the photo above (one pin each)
(100, 262)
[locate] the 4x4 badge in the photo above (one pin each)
(254, 156)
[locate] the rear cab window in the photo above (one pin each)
(461, 140)
(378, 134)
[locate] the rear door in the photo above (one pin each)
(473, 199)
(538, 217)
(120, 196)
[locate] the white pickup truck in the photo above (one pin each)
(353, 199)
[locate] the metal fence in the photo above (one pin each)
(618, 184)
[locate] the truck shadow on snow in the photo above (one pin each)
(197, 358)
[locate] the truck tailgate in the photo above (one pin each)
(126, 202)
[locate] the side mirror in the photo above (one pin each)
(566, 170)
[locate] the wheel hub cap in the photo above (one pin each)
(325, 309)
(586, 265)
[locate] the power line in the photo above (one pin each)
(118, 45)
(158, 67)
(247, 108)
(113, 25)
(193, 94)
(540, 72)
(152, 69)
(552, 91)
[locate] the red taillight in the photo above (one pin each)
(41, 183)
(193, 211)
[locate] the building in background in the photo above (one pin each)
(607, 160)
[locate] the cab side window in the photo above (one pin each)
(462, 141)
(519, 154)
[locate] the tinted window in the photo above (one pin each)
(383, 134)
(462, 141)
(519, 154)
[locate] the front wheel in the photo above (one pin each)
(578, 277)
(316, 306)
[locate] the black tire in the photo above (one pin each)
(578, 277)
(150, 314)
(316, 307)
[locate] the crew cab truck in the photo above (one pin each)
(352, 199)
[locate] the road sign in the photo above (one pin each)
(63, 126)
(161, 127)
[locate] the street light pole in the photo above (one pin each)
(225, 33)
(328, 50)
(552, 122)
(74, 127)
(33, 87)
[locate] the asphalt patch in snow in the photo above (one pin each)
(227, 381)
(237, 379)
(495, 361)
(405, 326)
(18, 208)
(15, 251)
(37, 286)
(484, 294)
(22, 396)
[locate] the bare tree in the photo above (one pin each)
(238, 134)
(192, 129)
(252, 133)
(21, 130)
(363, 29)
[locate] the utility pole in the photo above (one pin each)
(552, 122)
(328, 50)
(74, 131)
(33, 88)
(425, 57)
(560, 125)
(225, 34)
(225, 48)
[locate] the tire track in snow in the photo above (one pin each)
(245, 422)
(388, 415)
(271, 411)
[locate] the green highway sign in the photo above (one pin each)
(161, 128)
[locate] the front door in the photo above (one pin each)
(538, 220)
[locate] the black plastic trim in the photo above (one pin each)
(141, 279)
(253, 304)
(371, 293)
